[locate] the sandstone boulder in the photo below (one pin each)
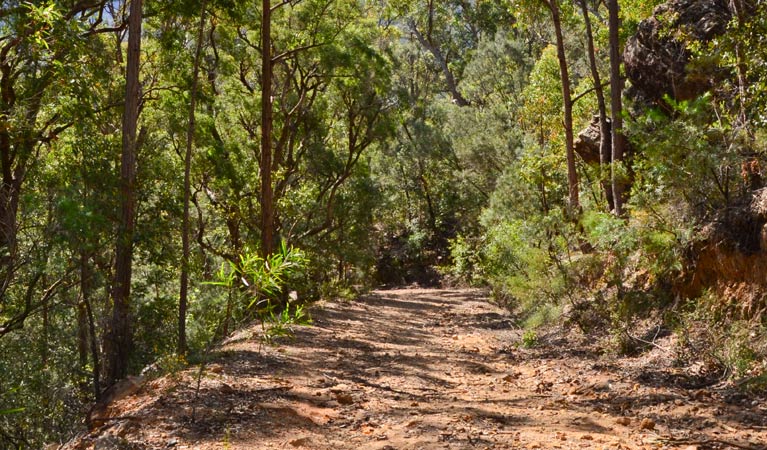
(657, 59)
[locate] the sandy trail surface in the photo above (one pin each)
(428, 369)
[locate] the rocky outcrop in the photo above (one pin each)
(730, 257)
(587, 147)
(587, 143)
(658, 62)
(657, 59)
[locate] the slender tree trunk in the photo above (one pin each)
(45, 338)
(121, 337)
(616, 93)
(228, 314)
(82, 335)
(605, 156)
(10, 183)
(572, 174)
(94, 352)
(8, 210)
(82, 312)
(87, 342)
(186, 227)
(10, 195)
(740, 13)
(341, 259)
(267, 193)
(427, 196)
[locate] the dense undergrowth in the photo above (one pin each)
(611, 276)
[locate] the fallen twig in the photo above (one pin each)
(664, 349)
(678, 441)
(119, 418)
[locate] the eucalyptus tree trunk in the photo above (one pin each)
(186, 227)
(267, 192)
(82, 310)
(572, 174)
(87, 338)
(605, 156)
(120, 336)
(741, 12)
(616, 93)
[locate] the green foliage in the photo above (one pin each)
(466, 263)
(522, 269)
(529, 339)
(737, 346)
(635, 255)
(261, 283)
(633, 12)
(4, 398)
(497, 72)
(280, 324)
(689, 161)
(171, 365)
(261, 277)
(340, 290)
(39, 392)
(380, 175)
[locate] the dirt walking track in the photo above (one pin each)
(428, 369)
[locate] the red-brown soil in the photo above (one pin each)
(429, 369)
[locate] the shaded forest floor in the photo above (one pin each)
(430, 369)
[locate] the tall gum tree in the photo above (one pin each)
(567, 105)
(618, 140)
(186, 222)
(267, 190)
(441, 41)
(299, 84)
(329, 105)
(120, 340)
(605, 147)
(448, 31)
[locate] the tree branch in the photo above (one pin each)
(288, 53)
(458, 98)
(283, 3)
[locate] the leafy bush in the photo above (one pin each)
(262, 284)
(688, 160)
(466, 262)
(524, 272)
(529, 339)
(738, 347)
